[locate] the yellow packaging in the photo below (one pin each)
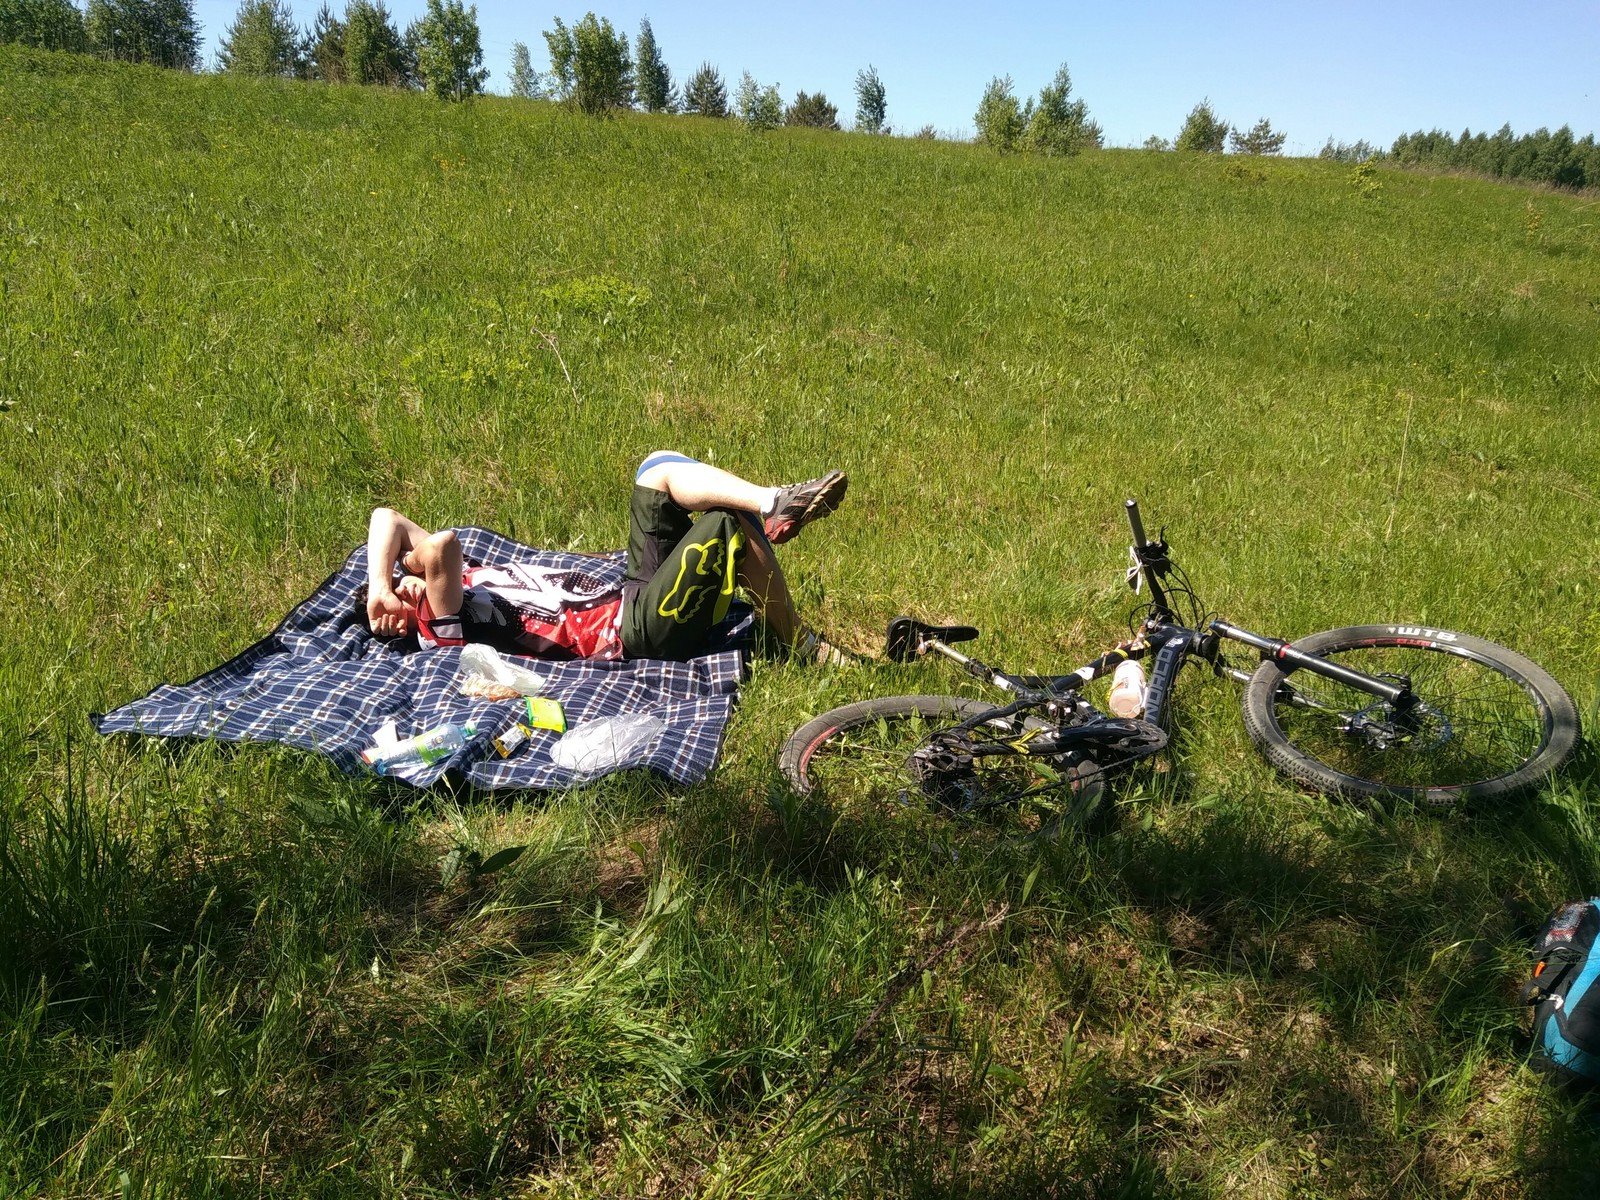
(546, 714)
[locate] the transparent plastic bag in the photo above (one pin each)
(591, 749)
(486, 673)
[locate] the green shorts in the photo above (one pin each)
(681, 575)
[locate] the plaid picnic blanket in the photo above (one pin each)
(320, 681)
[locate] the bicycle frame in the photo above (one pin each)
(1172, 644)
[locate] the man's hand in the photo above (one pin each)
(388, 614)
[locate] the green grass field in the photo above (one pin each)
(235, 316)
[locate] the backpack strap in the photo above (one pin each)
(1549, 973)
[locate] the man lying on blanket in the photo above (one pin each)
(682, 573)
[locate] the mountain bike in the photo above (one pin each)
(1373, 712)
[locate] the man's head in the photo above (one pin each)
(391, 617)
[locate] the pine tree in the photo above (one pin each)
(1000, 119)
(871, 101)
(1260, 140)
(373, 49)
(261, 41)
(705, 93)
(655, 90)
(46, 24)
(524, 79)
(1060, 125)
(448, 49)
(161, 32)
(812, 111)
(1203, 131)
(325, 48)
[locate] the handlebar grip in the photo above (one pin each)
(1135, 524)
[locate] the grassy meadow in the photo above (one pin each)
(235, 316)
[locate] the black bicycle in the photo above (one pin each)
(1407, 712)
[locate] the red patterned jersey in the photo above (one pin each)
(525, 609)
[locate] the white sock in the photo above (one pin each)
(770, 503)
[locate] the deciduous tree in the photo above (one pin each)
(449, 53)
(705, 93)
(654, 90)
(999, 118)
(813, 111)
(589, 65)
(162, 32)
(1203, 131)
(261, 41)
(524, 79)
(1262, 139)
(872, 105)
(47, 24)
(759, 107)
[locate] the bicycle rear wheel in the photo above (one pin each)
(1489, 723)
(889, 750)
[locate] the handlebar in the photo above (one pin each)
(1136, 525)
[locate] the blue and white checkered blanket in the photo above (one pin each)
(321, 682)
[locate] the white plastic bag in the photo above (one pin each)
(591, 749)
(485, 673)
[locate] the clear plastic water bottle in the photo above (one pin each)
(426, 748)
(1127, 690)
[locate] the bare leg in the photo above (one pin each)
(696, 486)
(762, 577)
(438, 560)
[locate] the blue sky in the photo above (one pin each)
(1352, 69)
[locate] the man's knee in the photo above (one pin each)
(438, 551)
(655, 469)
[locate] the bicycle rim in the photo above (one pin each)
(1488, 722)
(867, 754)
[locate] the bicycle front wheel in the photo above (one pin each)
(890, 750)
(1488, 723)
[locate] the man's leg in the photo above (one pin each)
(676, 592)
(697, 486)
(679, 582)
(761, 576)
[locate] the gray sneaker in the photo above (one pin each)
(799, 503)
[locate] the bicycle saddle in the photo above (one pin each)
(906, 636)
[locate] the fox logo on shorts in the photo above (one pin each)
(702, 574)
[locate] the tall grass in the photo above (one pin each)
(235, 316)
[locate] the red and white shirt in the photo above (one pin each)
(550, 612)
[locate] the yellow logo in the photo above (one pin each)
(703, 572)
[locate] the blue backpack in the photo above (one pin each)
(1566, 1014)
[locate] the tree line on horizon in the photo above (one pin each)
(594, 69)
(439, 52)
